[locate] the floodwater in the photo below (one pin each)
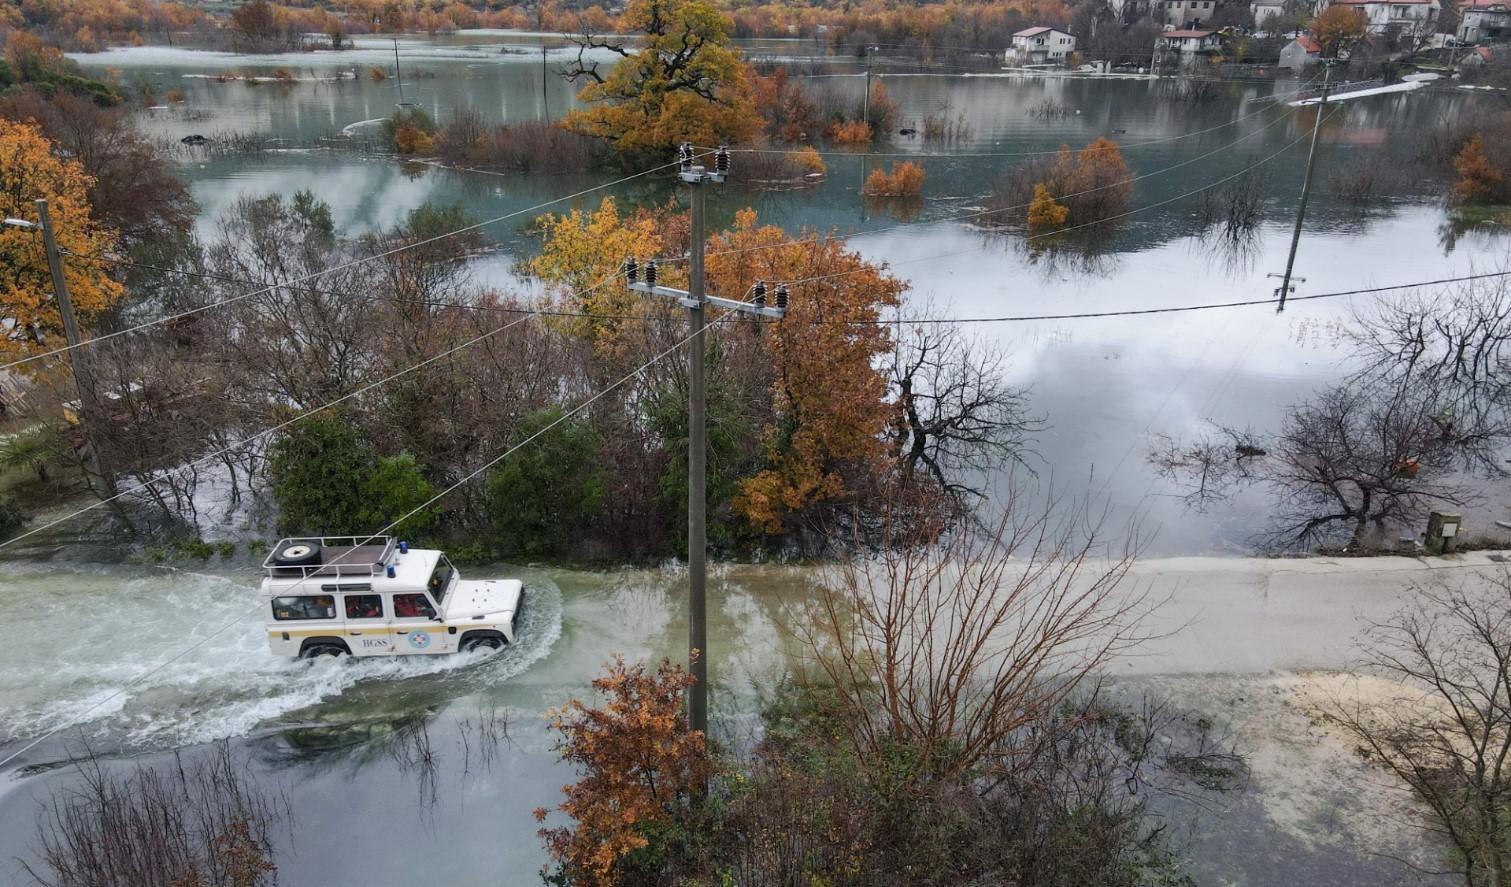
(335, 737)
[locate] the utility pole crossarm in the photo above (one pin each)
(686, 300)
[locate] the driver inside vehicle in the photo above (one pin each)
(412, 606)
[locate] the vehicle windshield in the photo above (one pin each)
(440, 580)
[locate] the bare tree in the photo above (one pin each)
(1446, 733)
(958, 646)
(957, 418)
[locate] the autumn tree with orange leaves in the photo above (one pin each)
(682, 81)
(829, 410)
(28, 312)
(1339, 27)
(1480, 179)
(641, 771)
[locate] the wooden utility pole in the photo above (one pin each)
(696, 299)
(1306, 192)
(90, 413)
(396, 72)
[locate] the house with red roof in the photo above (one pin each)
(1040, 46)
(1300, 52)
(1481, 21)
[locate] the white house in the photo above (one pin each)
(1183, 13)
(1484, 20)
(1267, 9)
(1411, 18)
(1300, 52)
(1188, 42)
(1040, 46)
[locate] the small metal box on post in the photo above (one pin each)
(643, 279)
(1443, 531)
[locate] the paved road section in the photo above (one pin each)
(1254, 615)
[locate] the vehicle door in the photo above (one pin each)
(367, 630)
(415, 628)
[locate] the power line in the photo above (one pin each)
(1177, 309)
(79, 718)
(1129, 312)
(268, 288)
(324, 271)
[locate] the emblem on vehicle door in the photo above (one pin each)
(419, 640)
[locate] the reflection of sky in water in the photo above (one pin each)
(1106, 385)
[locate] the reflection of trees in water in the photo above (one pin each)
(205, 821)
(903, 209)
(1069, 256)
(1236, 253)
(406, 741)
(1475, 226)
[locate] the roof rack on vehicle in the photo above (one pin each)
(302, 557)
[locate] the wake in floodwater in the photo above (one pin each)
(77, 637)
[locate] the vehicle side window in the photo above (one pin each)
(412, 606)
(364, 606)
(313, 606)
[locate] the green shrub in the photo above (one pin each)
(327, 479)
(11, 517)
(540, 496)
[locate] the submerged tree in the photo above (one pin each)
(1078, 187)
(682, 82)
(1349, 459)
(1425, 407)
(957, 419)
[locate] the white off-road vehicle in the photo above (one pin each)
(353, 596)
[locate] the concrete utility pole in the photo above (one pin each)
(545, 101)
(81, 360)
(696, 299)
(1306, 192)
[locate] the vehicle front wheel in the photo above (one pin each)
(482, 643)
(323, 651)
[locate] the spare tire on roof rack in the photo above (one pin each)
(297, 554)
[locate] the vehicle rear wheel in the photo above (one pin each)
(487, 642)
(323, 651)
